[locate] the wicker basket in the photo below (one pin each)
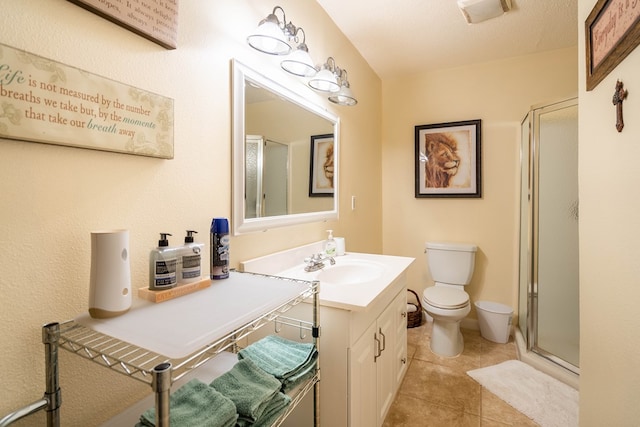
(414, 318)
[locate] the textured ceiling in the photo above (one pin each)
(404, 37)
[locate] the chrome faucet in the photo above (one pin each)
(316, 262)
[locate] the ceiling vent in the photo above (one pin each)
(476, 11)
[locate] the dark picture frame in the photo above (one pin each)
(612, 31)
(448, 159)
(321, 169)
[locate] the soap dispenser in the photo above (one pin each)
(190, 261)
(162, 265)
(330, 245)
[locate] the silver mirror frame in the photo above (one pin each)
(241, 225)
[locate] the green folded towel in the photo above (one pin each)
(278, 356)
(248, 387)
(303, 374)
(276, 407)
(196, 404)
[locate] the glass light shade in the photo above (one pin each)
(344, 97)
(269, 38)
(325, 81)
(299, 62)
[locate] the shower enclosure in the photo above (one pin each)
(549, 272)
(266, 194)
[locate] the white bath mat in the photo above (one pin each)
(542, 398)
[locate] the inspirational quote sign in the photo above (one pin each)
(45, 101)
(156, 20)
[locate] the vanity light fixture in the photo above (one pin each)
(275, 36)
(326, 79)
(299, 61)
(272, 35)
(344, 96)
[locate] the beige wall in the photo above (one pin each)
(500, 94)
(51, 197)
(609, 236)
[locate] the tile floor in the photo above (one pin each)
(437, 391)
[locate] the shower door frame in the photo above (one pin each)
(532, 157)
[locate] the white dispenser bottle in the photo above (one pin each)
(162, 265)
(190, 262)
(330, 245)
(110, 281)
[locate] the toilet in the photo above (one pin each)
(451, 266)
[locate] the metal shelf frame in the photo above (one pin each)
(157, 370)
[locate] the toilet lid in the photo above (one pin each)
(442, 297)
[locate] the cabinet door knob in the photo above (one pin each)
(378, 351)
(403, 314)
(384, 340)
(404, 360)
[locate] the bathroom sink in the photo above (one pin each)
(354, 282)
(351, 272)
(346, 271)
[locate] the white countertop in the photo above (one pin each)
(178, 327)
(355, 296)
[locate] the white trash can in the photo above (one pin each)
(494, 320)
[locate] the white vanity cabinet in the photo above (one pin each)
(359, 377)
(377, 363)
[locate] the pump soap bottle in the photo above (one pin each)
(190, 262)
(162, 265)
(330, 245)
(219, 248)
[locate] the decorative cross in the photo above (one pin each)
(618, 97)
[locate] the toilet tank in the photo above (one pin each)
(451, 263)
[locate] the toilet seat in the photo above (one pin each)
(445, 298)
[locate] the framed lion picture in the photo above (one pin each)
(448, 159)
(321, 170)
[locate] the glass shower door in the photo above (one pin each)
(526, 226)
(558, 321)
(549, 268)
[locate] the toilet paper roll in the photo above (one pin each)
(340, 249)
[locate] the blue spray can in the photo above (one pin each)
(219, 248)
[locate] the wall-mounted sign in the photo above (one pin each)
(156, 20)
(45, 101)
(612, 31)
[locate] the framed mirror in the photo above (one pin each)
(285, 154)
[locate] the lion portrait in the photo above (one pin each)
(442, 162)
(328, 165)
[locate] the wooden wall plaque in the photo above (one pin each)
(156, 20)
(612, 31)
(45, 101)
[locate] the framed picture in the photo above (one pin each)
(321, 168)
(448, 160)
(155, 20)
(612, 31)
